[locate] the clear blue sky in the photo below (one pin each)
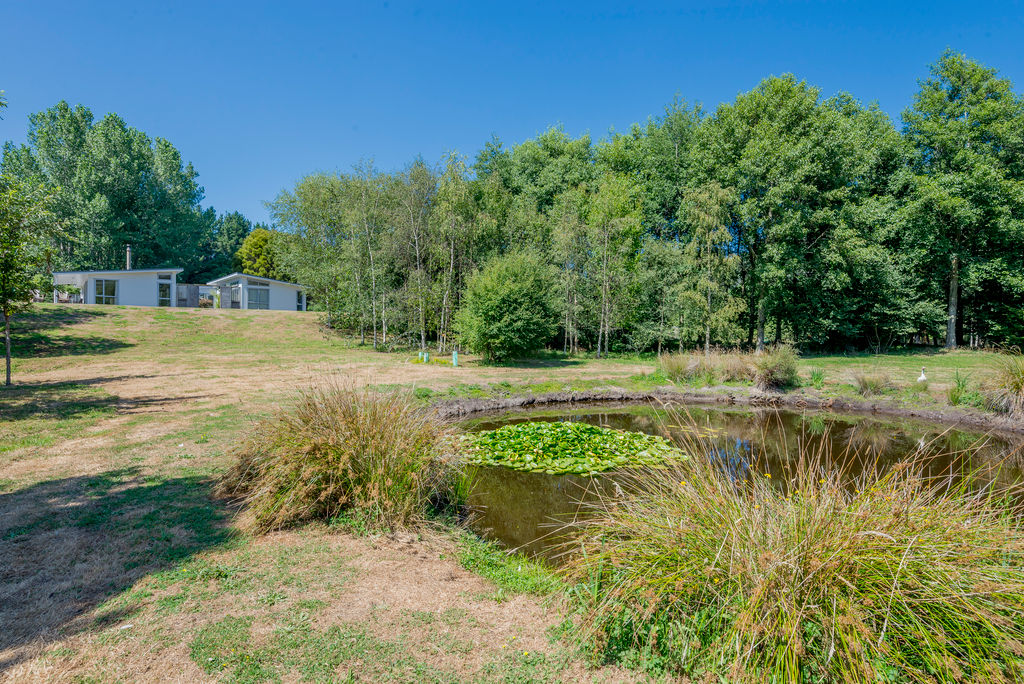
(257, 94)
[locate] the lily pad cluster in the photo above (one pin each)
(567, 447)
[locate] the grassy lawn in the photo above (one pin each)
(119, 565)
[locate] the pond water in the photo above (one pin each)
(524, 511)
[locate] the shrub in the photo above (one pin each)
(368, 455)
(869, 384)
(896, 578)
(1009, 382)
(776, 368)
(508, 310)
(957, 391)
(818, 378)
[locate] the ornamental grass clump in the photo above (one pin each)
(895, 577)
(1009, 383)
(776, 368)
(343, 451)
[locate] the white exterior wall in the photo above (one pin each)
(282, 297)
(134, 289)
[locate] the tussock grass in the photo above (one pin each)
(1009, 382)
(898, 577)
(701, 369)
(958, 389)
(818, 378)
(373, 456)
(776, 368)
(869, 384)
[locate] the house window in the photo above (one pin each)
(259, 298)
(298, 300)
(163, 297)
(164, 276)
(258, 283)
(106, 291)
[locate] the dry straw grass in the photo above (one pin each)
(343, 451)
(899, 576)
(698, 368)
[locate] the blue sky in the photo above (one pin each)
(257, 94)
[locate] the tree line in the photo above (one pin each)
(781, 216)
(111, 186)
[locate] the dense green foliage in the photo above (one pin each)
(782, 215)
(24, 228)
(897, 578)
(566, 447)
(508, 311)
(256, 255)
(115, 186)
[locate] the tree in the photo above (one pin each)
(965, 197)
(614, 224)
(256, 255)
(509, 310)
(114, 186)
(22, 251)
(706, 303)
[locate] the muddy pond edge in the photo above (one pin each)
(451, 409)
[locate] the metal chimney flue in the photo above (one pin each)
(128, 258)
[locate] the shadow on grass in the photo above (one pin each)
(32, 334)
(65, 400)
(69, 545)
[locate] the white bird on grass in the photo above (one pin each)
(922, 378)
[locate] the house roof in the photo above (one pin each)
(134, 270)
(224, 279)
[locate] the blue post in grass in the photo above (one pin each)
(455, 358)
(426, 357)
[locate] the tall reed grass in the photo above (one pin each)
(897, 576)
(340, 450)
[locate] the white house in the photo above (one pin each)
(244, 291)
(142, 287)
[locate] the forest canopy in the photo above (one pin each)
(781, 216)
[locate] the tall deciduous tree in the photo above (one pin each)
(22, 251)
(965, 202)
(704, 293)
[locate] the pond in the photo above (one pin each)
(524, 510)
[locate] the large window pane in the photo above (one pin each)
(106, 291)
(259, 298)
(164, 294)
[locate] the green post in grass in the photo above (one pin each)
(455, 358)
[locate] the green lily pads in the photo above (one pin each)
(558, 448)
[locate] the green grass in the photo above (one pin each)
(512, 573)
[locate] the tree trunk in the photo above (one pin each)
(707, 328)
(7, 345)
(760, 328)
(954, 288)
